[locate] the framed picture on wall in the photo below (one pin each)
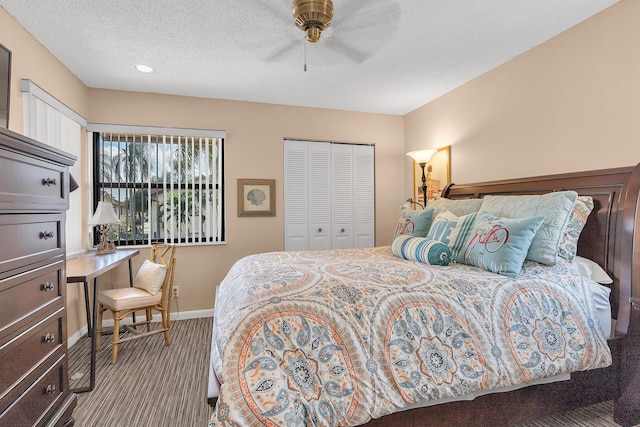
(437, 172)
(256, 197)
(5, 83)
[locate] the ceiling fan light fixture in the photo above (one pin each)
(313, 34)
(312, 17)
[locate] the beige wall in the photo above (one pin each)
(30, 60)
(570, 104)
(254, 149)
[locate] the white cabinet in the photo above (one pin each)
(328, 195)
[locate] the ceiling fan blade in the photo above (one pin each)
(370, 14)
(282, 13)
(349, 8)
(361, 34)
(356, 55)
(285, 51)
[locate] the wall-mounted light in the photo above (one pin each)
(421, 157)
(104, 219)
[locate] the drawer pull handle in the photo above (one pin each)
(48, 286)
(50, 389)
(46, 235)
(49, 338)
(49, 181)
(342, 230)
(319, 230)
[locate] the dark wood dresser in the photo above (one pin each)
(34, 195)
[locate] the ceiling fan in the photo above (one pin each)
(313, 17)
(360, 27)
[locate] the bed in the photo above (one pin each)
(448, 344)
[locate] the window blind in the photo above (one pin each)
(163, 187)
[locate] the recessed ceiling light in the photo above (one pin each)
(143, 68)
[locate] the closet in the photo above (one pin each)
(328, 195)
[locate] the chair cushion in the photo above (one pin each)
(124, 298)
(150, 277)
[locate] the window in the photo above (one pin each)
(164, 186)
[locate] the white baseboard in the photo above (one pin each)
(182, 315)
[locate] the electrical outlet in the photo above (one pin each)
(176, 292)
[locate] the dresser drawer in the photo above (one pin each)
(29, 183)
(32, 407)
(22, 356)
(23, 295)
(30, 238)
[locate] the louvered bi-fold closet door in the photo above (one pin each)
(319, 195)
(363, 196)
(342, 196)
(296, 211)
(328, 195)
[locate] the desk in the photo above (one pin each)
(82, 270)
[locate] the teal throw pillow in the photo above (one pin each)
(413, 222)
(555, 207)
(452, 230)
(500, 245)
(432, 252)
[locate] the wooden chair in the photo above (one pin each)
(152, 290)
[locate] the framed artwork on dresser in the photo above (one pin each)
(256, 197)
(5, 85)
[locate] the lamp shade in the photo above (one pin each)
(104, 215)
(422, 156)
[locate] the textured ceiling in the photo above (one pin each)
(381, 56)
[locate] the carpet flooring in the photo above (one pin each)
(159, 386)
(151, 385)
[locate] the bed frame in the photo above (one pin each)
(611, 238)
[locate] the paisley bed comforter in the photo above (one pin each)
(338, 337)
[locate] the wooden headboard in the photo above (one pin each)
(609, 237)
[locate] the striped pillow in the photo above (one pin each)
(454, 231)
(423, 250)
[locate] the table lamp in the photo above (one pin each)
(103, 219)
